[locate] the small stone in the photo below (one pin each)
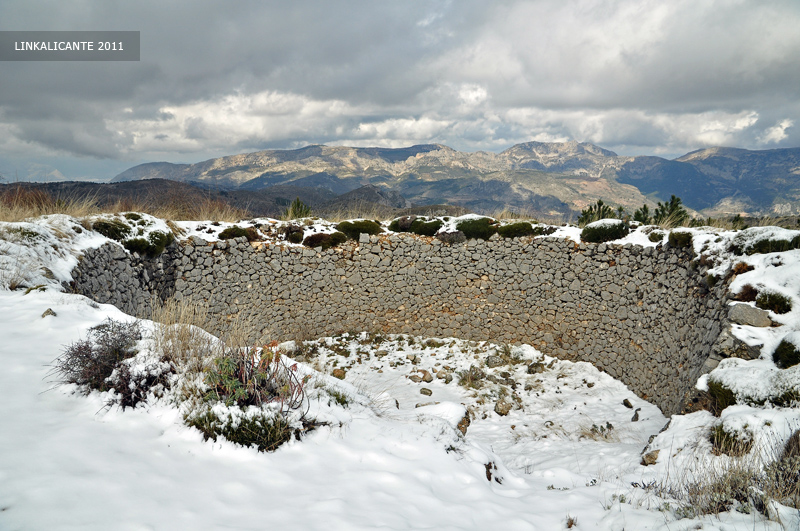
(502, 407)
(425, 391)
(635, 417)
(427, 377)
(494, 361)
(415, 378)
(535, 367)
(339, 373)
(47, 312)
(650, 458)
(627, 404)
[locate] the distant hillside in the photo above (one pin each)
(537, 178)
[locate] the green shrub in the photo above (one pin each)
(353, 229)
(137, 245)
(233, 232)
(721, 396)
(711, 280)
(515, 230)
(263, 431)
(133, 216)
(425, 228)
(478, 228)
(90, 362)
(326, 241)
(293, 233)
(770, 300)
(604, 231)
(297, 210)
(679, 238)
(595, 213)
(786, 355)
(112, 228)
(543, 230)
(153, 246)
(656, 236)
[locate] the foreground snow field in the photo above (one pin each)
(568, 448)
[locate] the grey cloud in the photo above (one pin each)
(470, 74)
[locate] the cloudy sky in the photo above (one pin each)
(657, 77)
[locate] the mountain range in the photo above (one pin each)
(537, 178)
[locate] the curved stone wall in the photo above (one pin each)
(644, 315)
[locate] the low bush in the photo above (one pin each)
(725, 442)
(543, 230)
(477, 228)
(604, 231)
(153, 246)
(741, 267)
(515, 230)
(786, 355)
(112, 228)
(773, 301)
(721, 396)
(747, 294)
(293, 233)
(402, 224)
(91, 362)
(237, 232)
(353, 229)
(426, 228)
(263, 431)
(656, 236)
(326, 241)
(680, 239)
(255, 377)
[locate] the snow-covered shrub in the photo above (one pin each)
(254, 427)
(729, 443)
(680, 238)
(604, 230)
(477, 228)
(787, 354)
(353, 229)
(760, 240)
(250, 396)
(90, 362)
(776, 302)
(326, 241)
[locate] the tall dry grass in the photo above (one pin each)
(18, 203)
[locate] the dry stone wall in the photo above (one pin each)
(644, 315)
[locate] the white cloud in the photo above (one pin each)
(776, 133)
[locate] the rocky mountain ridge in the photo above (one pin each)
(538, 178)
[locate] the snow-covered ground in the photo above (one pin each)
(392, 458)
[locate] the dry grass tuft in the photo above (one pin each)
(19, 202)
